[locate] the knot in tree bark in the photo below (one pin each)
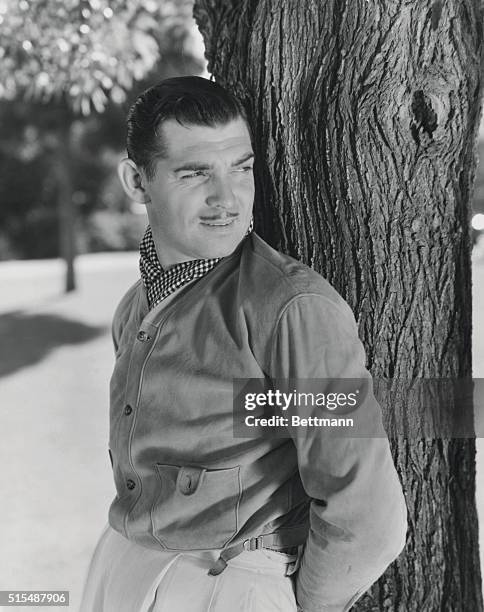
(424, 121)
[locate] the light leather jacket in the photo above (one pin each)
(184, 482)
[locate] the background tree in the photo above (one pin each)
(62, 64)
(366, 115)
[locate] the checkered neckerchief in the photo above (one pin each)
(160, 283)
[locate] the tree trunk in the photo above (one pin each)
(365, 114)
(65, 206)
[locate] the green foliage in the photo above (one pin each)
(84, 51)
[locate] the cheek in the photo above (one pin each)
(163, 218)
(182, 216)
(248, 193)
(245, 187)
(168, 210)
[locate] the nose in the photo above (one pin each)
(221, 194)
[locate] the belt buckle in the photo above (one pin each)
(254, 543)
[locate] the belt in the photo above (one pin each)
(278, 541)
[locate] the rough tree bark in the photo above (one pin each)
(365, 114)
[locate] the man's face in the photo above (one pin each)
(201, 197)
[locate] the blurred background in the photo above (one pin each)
(65, 91)
(68, 251)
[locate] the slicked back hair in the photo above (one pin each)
(190, 100)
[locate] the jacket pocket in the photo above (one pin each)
(196, 508)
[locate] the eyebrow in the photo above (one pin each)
(243, 159)
(195, 165)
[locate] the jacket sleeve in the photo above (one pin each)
(358, 514)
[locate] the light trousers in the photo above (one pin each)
(126, 577)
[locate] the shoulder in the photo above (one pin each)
(287, 302)
(275, 279)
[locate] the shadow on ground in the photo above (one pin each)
(25, 339)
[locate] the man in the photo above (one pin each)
(204, 520)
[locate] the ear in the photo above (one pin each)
(132, 181)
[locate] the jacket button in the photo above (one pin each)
(128, 410)
(143, 336)
(130, 484)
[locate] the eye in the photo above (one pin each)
(191, 175)
(244, 169)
